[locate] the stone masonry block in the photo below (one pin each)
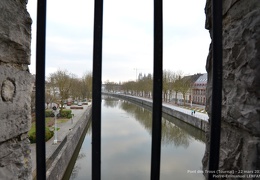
(15, 102)
(15, 158)
(240, 133)
(15, 32)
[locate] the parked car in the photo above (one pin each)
(68, 103)
(79, 103)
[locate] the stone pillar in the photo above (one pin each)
(15, 90)
(240, 133)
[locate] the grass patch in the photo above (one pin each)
(49, 122)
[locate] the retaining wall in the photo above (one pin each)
(192, 120)
(61, 162)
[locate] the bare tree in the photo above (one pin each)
(112, 86)
(148, 85)
(62, 80)
(168, 80)
(86, 89)
(75, 90)
(177, 83)
(185, 85)
(51, 91)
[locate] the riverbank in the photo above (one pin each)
(58, 155)
(198, 120)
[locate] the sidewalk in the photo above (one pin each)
(198, 114)
(62, 133)
(196, 107)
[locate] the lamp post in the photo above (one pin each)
(55, 111)
(191, 98)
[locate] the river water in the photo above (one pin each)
(126, 146)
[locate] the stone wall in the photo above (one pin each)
(187, 118)
(62, 160)
(15, 89)
(240, 133)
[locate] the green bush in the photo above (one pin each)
(66, 113)
(69, 116)
(48, 134)
(49, 113)
(32, 135)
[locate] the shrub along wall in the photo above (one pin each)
(48, 135)
(49, 113)
(65, 113)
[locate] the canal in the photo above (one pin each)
(126, 146)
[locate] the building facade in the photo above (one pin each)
(199, 90)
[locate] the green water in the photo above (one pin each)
(126, 146)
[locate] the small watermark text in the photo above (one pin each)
(238, 174)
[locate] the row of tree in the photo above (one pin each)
(173, 82)
(62, 85)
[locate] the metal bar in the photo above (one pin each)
(96, 90)
(216, 87)
(157, 90)
(40, 90)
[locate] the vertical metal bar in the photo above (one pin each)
(157, 90)
(40, 90)
(216, 87)
(97, 82)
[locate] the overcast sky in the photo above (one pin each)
(127, 37)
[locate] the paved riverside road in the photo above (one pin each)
(199, 115)
(62, 132)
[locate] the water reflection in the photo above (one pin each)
(192, 131)
(77, 167)
(81, 156)
(171, 133)
(126, 146)
(110, 101)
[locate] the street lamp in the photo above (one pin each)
(191, 98)
(56, 112)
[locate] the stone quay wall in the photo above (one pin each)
(240, 132)
(16, 84)
(192, 120)
(60, 163)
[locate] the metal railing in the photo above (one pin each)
(40, 90)
(157, 89)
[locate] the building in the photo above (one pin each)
(185, 88)
(199, 90)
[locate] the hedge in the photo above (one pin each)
(49, 113)
(32, 135)
(65, 113)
